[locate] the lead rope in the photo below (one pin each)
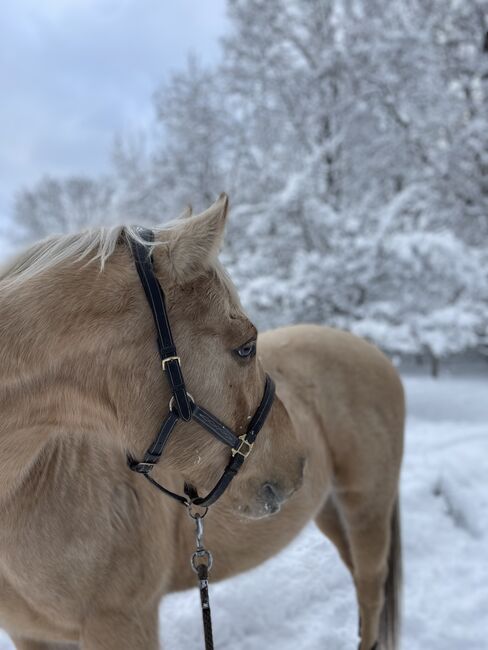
(201, 563)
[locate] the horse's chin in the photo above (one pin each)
(258, 511)
(269, 498)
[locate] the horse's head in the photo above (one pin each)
(216, 343)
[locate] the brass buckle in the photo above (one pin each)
(249, 445)
(165, 361)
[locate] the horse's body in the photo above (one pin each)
(87, 549)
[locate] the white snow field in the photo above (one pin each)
(304, 598)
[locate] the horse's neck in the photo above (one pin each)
(74, 356)
(78, 495)
(38, 410)
(49, 384)
(54, 474)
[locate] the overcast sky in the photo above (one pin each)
(73, 73)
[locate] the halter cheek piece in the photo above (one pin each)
(182, 406)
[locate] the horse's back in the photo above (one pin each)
(351, 388)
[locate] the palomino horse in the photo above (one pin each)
(88, 548)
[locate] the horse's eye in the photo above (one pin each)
(246, 351)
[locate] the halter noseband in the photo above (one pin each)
(182, 406)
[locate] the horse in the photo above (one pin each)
(88, 548)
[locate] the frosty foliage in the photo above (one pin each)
(58, 206)
(352, 136)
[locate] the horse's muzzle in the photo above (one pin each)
(273, 494)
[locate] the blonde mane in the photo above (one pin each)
(94, 245)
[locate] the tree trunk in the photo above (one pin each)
(434, 365)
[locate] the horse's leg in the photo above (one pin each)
(130, 630)
(376, 561)
(329, 522)
(28, 644)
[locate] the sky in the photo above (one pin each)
(75, 73)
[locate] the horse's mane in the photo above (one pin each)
(93, 245)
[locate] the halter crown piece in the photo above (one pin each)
(182, 406)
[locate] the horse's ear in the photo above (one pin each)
(196, 241)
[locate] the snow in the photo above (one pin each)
(304, 597)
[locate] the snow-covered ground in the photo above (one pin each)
(304, 597)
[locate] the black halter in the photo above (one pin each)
(182, 406)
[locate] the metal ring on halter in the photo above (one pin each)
(201, 554)
(172, 401)
(196, 515)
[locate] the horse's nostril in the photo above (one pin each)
(270, 493)
(270, 490)
(271, 498)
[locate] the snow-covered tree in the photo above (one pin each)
(61, 206)
(352, 136)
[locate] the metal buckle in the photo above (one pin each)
(246, 443)
(165, 361)
(143, 468)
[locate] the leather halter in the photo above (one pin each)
(182, 406)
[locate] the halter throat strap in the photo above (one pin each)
(182, 406)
